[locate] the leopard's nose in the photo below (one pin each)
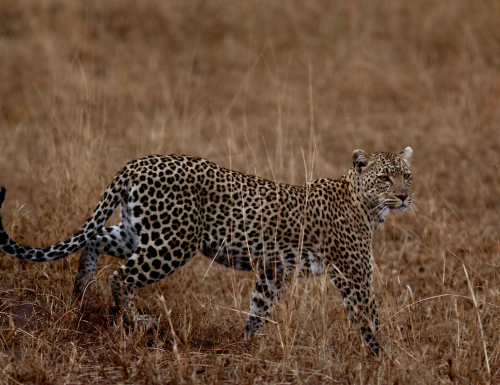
(402, 197)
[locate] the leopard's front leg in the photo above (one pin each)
(355, 285)
(268, 286)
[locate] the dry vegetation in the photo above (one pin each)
(283, 89)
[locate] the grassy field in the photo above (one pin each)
(285, 90)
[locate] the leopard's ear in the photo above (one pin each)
(406, 155)
(361, 160)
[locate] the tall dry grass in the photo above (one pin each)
(283, 89)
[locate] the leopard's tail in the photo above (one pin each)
(113, 195)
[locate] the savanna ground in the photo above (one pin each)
(285, 90)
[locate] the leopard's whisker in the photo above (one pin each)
(382, 212)
(373, 209)
(413, 211)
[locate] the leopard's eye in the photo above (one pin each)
(407, 175)
(384, 178)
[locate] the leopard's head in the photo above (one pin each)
(385, 179)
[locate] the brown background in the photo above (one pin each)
(283, 89)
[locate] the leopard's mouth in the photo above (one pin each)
(397, 205)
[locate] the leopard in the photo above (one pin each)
(174, 207)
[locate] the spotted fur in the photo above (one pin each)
(175, 206)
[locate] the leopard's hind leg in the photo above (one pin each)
(153, 260)
(115, 241)
(119, 241)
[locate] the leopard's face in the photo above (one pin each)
(386, 179)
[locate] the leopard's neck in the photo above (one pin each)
(372, 215)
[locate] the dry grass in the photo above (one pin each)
(283, 89)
